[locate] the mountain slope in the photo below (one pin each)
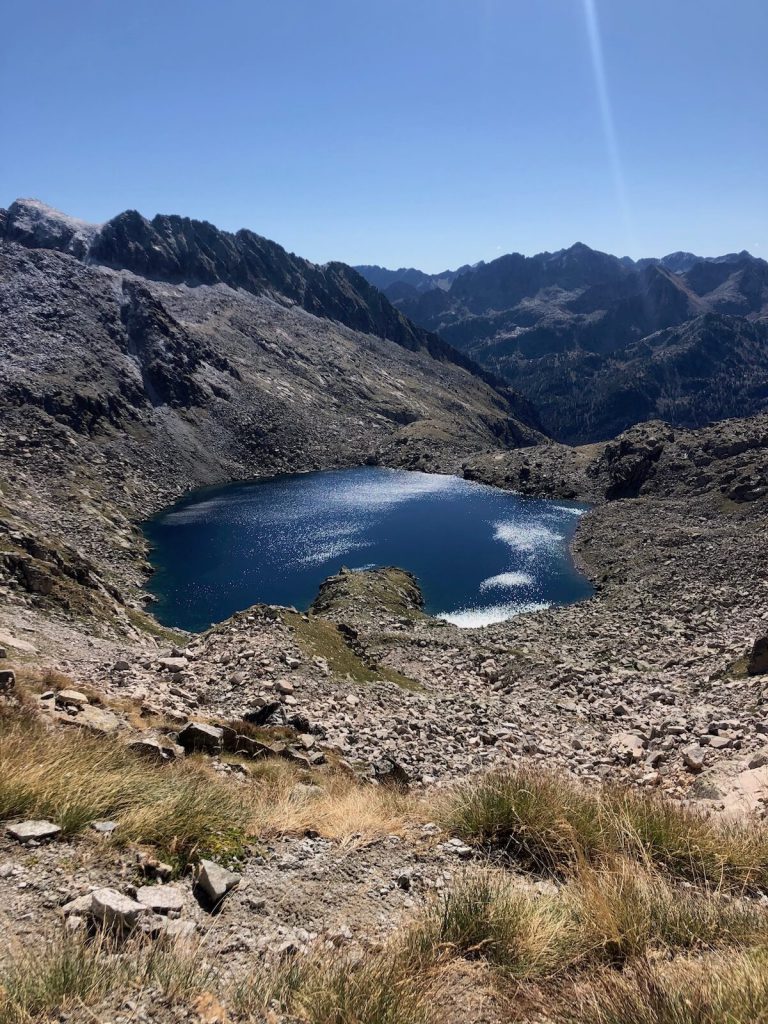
(708, 368)
(185, 251)
(143, 388)
(548, 322)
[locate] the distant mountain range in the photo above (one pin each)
(599, 342)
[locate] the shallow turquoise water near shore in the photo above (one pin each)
(481, 555)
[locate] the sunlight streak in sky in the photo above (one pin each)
(606, 115)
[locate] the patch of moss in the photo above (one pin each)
(144, 622)
(324, 639)
(387, 589)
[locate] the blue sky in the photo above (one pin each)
(427, 133)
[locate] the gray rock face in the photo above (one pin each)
(197, 736)
(757, 664)
(41, 227)
(759, 760)
(162, 899)
(91, 718)
(113, 910)
(179, 249)
(79, 905)
(215, 881)
(148, 748)
(28, 831)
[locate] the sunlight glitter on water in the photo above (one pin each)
(481, 555)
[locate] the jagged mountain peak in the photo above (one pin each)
(181, 249)
(38, 225)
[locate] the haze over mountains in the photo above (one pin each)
(598, 342)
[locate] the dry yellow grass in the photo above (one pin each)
(550, 823)
(625, 910)
(73, 778)
(184, 809)
(68, 975)
(727, 988)
(334, 805)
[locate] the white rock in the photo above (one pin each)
(114, 910)
(161, 898)
(28, 830)
(173, 664)
(216, 881)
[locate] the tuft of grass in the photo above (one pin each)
(715, 852)
(333, 989)
(73, 778)
(45, 980)
(61, 974)
(550, 823)
(600, 917)
(378, 991)
(626, 910)
(730, 989)
(535, 817)
(337, 806)
(488, 917)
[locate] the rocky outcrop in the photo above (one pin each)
(388, 589)
(172, 361)
(53, 575)
(757, 663)
(626, 463)
(34, 224)
(727, 458)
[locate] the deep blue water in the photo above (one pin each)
(481, 555)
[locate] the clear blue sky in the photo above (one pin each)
(403, 132)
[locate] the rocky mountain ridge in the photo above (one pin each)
(590, 338)
(181, 250)
(213, 381)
